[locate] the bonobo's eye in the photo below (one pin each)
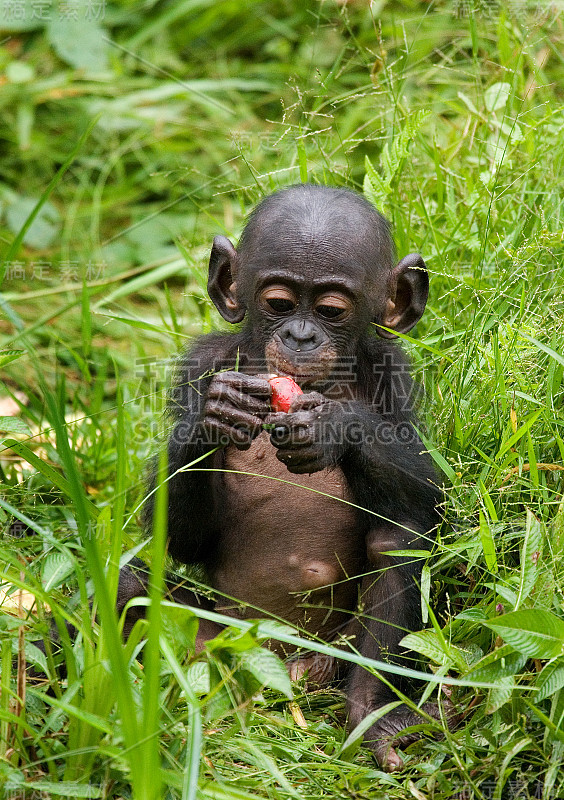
(280, 304)
(333, 307)
(278, 299)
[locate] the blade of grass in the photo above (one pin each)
(121, 676)
(151, 779)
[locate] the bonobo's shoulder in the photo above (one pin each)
(211, 352)
(385, 379)
(382, 355)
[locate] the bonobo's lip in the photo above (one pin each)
(299, 378)
(303, 376)
(282, 361)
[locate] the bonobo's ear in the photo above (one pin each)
(408, 290)
(222, 285)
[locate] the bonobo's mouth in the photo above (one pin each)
(305, 368)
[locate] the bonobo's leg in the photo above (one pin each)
(389, 610)
(134, 582)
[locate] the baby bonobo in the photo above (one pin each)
(315, 284)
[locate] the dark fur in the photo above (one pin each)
(304, 229)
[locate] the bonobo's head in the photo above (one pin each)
(314, 268)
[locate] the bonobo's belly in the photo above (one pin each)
(286, 550)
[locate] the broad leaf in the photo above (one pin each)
(43, 229)
(441, 652)
(534, 632)
(501, 695)
(550, 680)
(501, 663)
(497, 95)
(81, 42)
(268, 669)
(56, 567)
(14, 425)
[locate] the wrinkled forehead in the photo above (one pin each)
(318, 230)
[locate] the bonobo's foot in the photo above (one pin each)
(320, 668)
(386, 734)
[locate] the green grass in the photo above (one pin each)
(160, 127)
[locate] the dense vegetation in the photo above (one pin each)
(136, 132)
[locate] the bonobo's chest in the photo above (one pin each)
(285, 535)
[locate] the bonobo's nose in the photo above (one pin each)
(300, 335)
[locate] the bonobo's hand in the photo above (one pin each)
(235, 408)
(311, 436)
(389, 732)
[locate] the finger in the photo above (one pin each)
(290, 438)
(275, 417)
(301, 418)
(305, 402)
(292, 418)
(298, 421)
(234, 395)
(231, 416)
(225, 434)
(248, 384)
(300, 456)
(304, 469)
(217, 432)
(238, 404)
(299, 464)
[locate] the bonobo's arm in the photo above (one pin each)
(373, 441)
(210, 407)
(370, 435)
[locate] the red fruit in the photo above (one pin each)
(284, 390)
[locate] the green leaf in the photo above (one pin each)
(534, 632)
(501, 695)
(268, 669)
(375, 188)
(488, 545)
(14, 425)
(46, 470)
(550, 680)
(136, 323)
(56, 567)
(501, 663)
(425, 593)
(16, 244)
(357, 733)
(65, 789)
(198, 677)
(150, 278)
(36, 657)
(44, 228)
(519, 433)
(7, 356)
(19, 72)
(438, 458)
(530, 553)
(81, 42)
(440, 652)
(180, 625)
(548, 350)
(219, 703)
(497, 95)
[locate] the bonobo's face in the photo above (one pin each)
(308, 311)
(313, 270)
